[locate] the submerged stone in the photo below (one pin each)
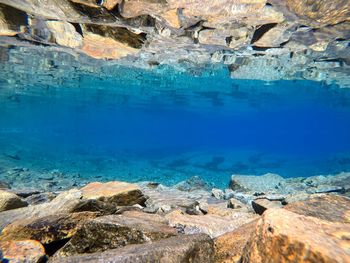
(10, 201)
(297, 235)
(30, 251)
(193, 248)
(118, 193)
(113, 231)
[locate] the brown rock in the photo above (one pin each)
(193, 248)
(64, 34)
(10, 201)
(30, 251)
(172, 18)
(229, 247)
(65, 202)
(12, 21)
(333, 208)
(212, 224)
(113, 231)
(119, 193)
(321, 12)
(46, 229)
(284, 236)
(262, 204)
(100, 47)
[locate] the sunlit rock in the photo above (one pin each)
(119, 193)
(30, 251)
(10, 201)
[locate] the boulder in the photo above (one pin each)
(193, 248)
(229, 247)
(163, 199)
(261, 204)
(113, 231)
(46, 229)
(262, 183)
(10, 201)
(118, 193)
(333, 208)
(30, 251)
(295, 234)
(213, 224)
(65, 202)
(217, 193)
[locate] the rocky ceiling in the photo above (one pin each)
(256, 39)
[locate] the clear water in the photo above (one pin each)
(163, 126)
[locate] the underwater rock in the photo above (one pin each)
(30, 251)
(192, 184)
(217, 193)
(163, 199)
(192, 248)
(213, 223)
(333, 208)
(263, 183)
(235, 204)
(113, 231)
(65, 202)
(10, 201)
(229, 247)
(311, 239)
(46, 229)
(118, 193)
(261, 204)
(40, 198)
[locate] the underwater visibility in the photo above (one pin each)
(167, 127)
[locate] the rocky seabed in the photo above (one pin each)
(257, 219)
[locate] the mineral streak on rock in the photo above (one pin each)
(254, 39)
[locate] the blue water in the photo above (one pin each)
(138, 125)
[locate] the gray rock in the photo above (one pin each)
(267, 183)
(10, 201)
(217, 193)
(192, 248)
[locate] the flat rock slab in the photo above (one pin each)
(119, 193)
(30, 251)
(65, 202)
(113, 231)
(211, 224)
(263, 183)
(162, 199)
(192, 248)
(333, 208)
(284, 236)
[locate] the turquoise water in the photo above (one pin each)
(167, 126)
